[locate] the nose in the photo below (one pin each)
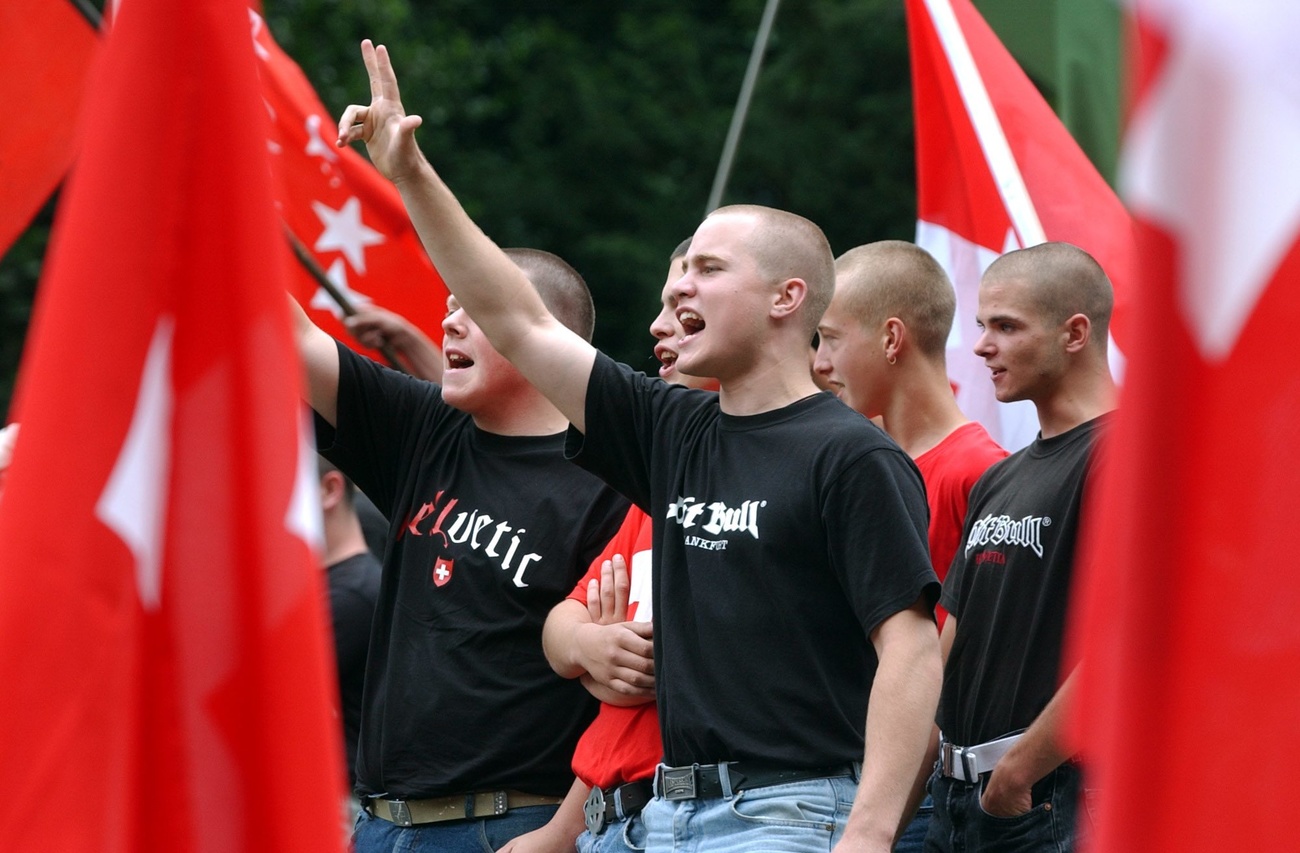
(662, 327)
(983, 345)
(822, 361)
(454, 323)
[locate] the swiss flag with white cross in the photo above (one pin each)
(1189, 642)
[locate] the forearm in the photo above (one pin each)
(486, 283)
(610, 696)
(900, 721)
(559, 638)
(1042, 748)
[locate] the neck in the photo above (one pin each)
(768, 385)
(528, 414)
(1086, 395)
(921, 411)
(343, 537)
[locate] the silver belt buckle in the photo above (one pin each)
(593, 811)
(678, 783)
(946, 752)
(399, 813)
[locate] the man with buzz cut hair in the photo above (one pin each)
(882, 343)
(466, 733)
(1005, 780)
(796, 658)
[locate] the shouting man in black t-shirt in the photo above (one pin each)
(1004, 781)
(466, 732)
(792, 586)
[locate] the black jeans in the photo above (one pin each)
(960, 825)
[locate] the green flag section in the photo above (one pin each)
(1071, 50)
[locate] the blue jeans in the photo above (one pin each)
(618, 836)
(913, 838)
(1055, 823)
(480, 835)
(798, 817)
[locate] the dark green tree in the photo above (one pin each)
(593, 129)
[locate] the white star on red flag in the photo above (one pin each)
(345, 232)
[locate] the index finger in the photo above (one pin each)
(372, 67)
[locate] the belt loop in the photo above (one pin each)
(469, 805)
(856, 768)
(724, 779)
(654, 783)
(618, 803)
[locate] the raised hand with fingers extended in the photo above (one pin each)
(384, 126)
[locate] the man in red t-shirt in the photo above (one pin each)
(882, 351)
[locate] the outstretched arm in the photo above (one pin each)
(484, 281)
(320, 364)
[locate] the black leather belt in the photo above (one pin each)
(705, 781)
(456, 807)
(618, 803)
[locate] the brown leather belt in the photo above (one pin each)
(455, 807)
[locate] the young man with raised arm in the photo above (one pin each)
(466, 732)
(1004, 780)
(882, 344)
(792, 586)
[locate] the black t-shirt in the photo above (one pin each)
(354, 589)
(1009, 587)
(487, 533)
(780, 541)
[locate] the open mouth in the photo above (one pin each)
(458, 361)
(692, 323)
(667, 358)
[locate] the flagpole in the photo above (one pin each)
(309, 263)
(89, 12)
(742, 107)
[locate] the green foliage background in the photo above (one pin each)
(593, 129)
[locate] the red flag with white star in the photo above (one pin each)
(163, 644)
(45, 51)
(996, 171)
(1189, 650)
(341, 209)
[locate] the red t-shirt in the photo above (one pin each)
(622, 744)
(949, 470)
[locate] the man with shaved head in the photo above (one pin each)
(794, 643)
(1004, 780)
(882, 343)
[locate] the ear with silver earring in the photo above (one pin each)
(892, 359)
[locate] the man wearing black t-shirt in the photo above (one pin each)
(353, 575)
(792, 586)
(466, 732)
(1004, 780)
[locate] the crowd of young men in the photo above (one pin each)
(794, 660)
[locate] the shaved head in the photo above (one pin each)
(1064, 280)
(893, 278)
(785, 246)
(563, 290)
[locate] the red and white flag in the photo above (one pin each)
(1190, 646)
(163, 638)
(996, 171)
(45, 51)
(341, 209)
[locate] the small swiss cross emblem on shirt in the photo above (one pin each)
(442, 572)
